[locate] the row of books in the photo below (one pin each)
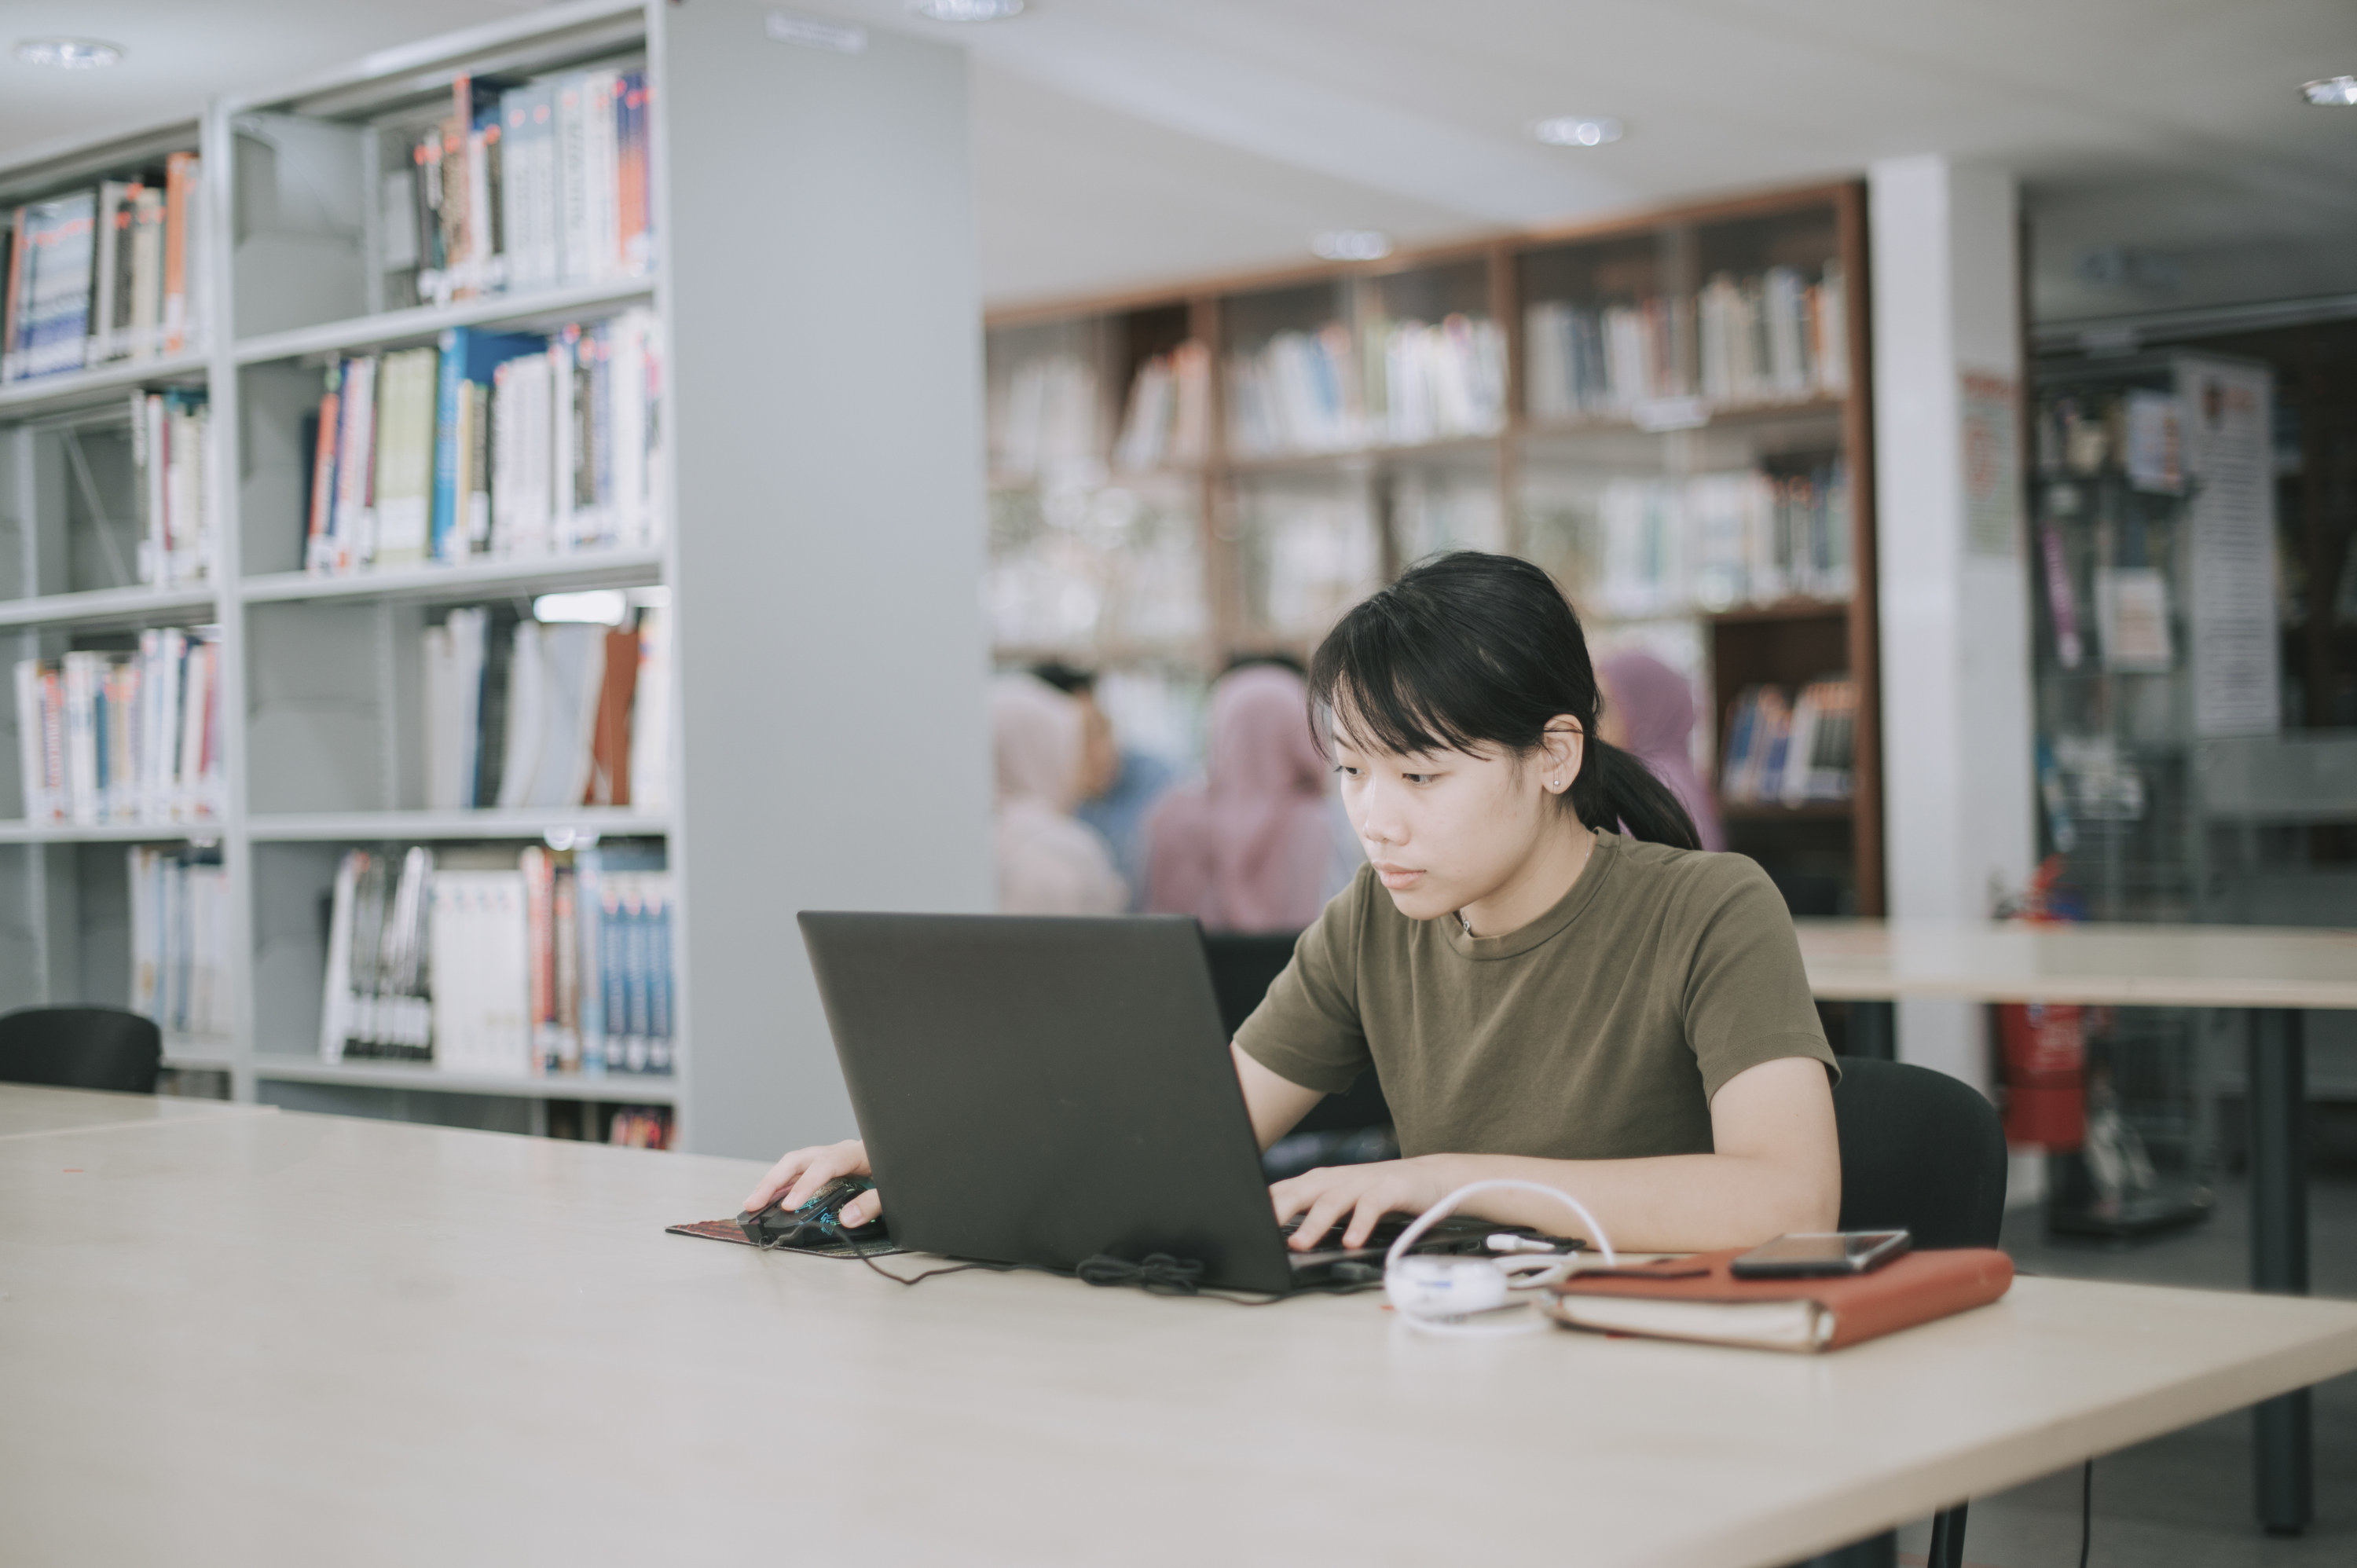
(1774, 336)
(1044, 416)
(640, 1127)
(179, 940)
(522, 186)
(1325, 391)
(1790, 750)
(522, 714)
(169, 434)
(1715, 541)
(1167, 423)
(555, 962)
(106, 738)
(491, 444)
(103, 274)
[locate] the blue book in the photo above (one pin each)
(468, 354)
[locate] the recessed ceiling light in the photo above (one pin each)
(1352, 244)
(68, 54)
(2331, 92)
(1579, 129)
(966, 10)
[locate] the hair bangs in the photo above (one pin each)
(1378, 679)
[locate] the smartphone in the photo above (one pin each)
(1813, 1255)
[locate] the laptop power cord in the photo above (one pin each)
(1156, 1273)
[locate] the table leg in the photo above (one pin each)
(1873, 1031)
(2275, 1088)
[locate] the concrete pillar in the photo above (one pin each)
(1960, 823)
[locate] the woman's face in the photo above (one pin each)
(1446, 830)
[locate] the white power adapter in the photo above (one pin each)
(1436, 1294)
(1445, 1287)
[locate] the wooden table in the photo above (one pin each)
(2272, 973)
(300, 1339)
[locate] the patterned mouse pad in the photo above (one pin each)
(726, 1231)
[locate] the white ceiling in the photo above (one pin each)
(1124, 143)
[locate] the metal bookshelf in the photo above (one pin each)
(805, 477)
(1527, 482)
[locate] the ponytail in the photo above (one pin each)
(1614, 786)
(1468, 649)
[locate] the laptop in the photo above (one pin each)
(1041, 1089)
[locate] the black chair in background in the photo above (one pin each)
(1924, 1153)
(1243, 969)
(82, 1048)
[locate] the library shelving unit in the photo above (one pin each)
(1670, 413)
(810, 279)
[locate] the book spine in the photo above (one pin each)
(30, 726)
(592, 916)
(659, 904)
(447, 536)
(181, 171)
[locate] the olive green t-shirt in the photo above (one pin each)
(1598, 1031)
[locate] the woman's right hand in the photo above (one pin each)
(804, 1171)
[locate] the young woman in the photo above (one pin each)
(1546, 977)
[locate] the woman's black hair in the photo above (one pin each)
(1469, 649)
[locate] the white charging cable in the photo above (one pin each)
(1436, 1294)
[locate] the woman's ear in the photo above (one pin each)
(1562, 748)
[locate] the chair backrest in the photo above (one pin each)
(1243, 969)
(81, 1047)
(1921, 1151)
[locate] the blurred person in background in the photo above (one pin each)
(1118, 786)
(1049, 863)
(1648, 712)
(1249, 848)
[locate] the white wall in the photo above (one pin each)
(1959, 819)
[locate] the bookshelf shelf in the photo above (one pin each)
(335, 694)
(22, 832)
(423, 323)
(464, 580)
(1479, 447)
(110, 606)
(1728, 341)
(1783, 609)
(371, 827)
(651, 1089)
(1776, 812)
(55, 394)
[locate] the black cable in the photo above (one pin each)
(1157, 1274)
(2086, 1512)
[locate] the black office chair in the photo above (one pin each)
(82, 1048)
(1924, 1153)
(1243, 969)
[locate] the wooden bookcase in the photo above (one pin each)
(1282, 541)
(824, 538)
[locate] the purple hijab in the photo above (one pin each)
(1656, 707)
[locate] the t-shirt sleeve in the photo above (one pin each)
(1748, 997)
(1307, 1029)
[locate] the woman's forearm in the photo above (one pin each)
(1674, 1203)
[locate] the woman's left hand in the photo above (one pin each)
(1364, 1193)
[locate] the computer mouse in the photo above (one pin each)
(817, 1223)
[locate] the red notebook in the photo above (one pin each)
(1698, 1298)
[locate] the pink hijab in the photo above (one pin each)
(1246, 849)
(1656, 706)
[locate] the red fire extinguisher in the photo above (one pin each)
(2044, 1045)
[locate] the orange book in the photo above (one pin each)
(1699, 1298)
(609, 744)
(180, 195)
